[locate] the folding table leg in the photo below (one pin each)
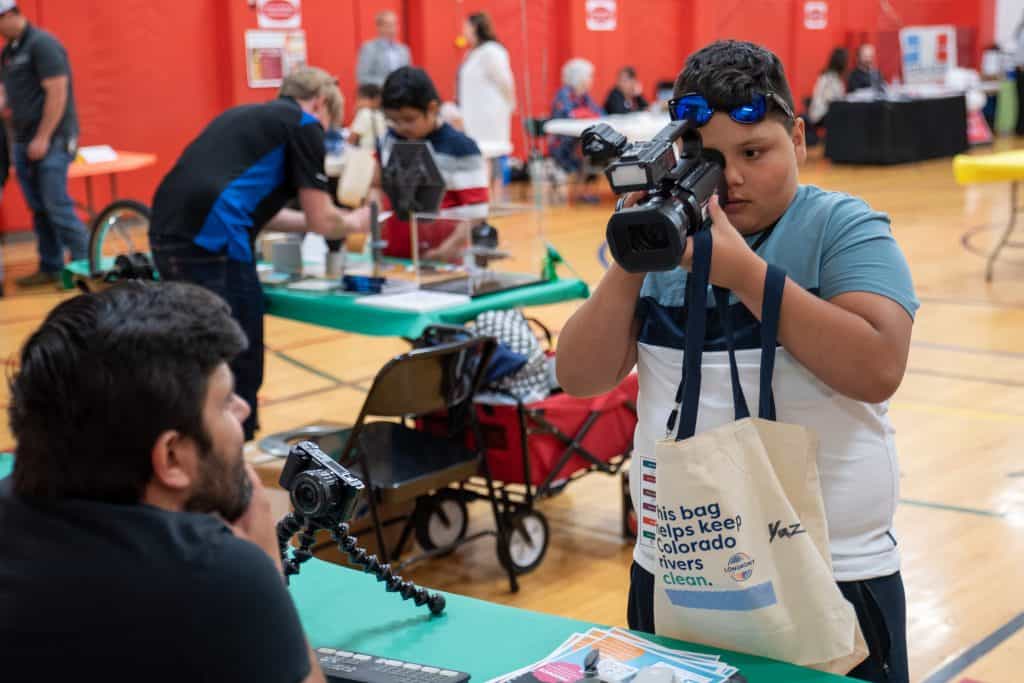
(1004, 238)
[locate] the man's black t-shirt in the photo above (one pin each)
(241, 170)
(93, 591)
(25, 63)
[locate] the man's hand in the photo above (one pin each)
(38, 148)
(358, 220)
(257, 523)
(734, 265)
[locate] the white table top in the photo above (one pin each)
(638, 126)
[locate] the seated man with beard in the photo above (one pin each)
(137, 543)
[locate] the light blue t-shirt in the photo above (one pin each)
(827, 242)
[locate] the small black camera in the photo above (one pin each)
(320, 488)
(651, 234)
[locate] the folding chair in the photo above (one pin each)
(398, 463)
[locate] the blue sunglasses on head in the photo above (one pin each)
(695, 107)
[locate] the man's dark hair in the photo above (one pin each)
(628, 71)
(408, 86)
(103, 376)
(728, 72)
(369, 91)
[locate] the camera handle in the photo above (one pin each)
(293, 523)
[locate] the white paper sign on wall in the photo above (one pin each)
(816, 15)
(602, 15)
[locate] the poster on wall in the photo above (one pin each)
(602, 15)
(279, 13)
(815, 15)
(272, 55)
(927, 53)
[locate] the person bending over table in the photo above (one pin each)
(233, 181)
(137, 541)
(411, 107)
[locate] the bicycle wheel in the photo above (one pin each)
(118, 229)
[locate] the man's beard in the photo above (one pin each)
(223, 488)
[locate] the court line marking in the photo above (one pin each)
(964, 378)
(946, 672)
(980, 303)
(967, 349)
(971, 413)
(952, 508)
(337, 336)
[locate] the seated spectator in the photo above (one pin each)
(828, 88)
(132, 525)
(368, 126)
(573, 101)
(628, 94)
(865, 75)
(412, 109)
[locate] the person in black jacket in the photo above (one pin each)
(627, 95)
(866, 75)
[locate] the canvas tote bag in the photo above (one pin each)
(742, 549)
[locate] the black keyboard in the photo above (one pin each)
(342, 666)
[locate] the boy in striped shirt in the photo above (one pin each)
(411, 107)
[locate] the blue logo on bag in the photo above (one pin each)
(740, 567)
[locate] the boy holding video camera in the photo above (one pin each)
(845, 328)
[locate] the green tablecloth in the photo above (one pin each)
(339, 310)
(342, 608)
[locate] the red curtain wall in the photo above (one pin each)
(149, 74)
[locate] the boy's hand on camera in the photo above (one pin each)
(734, 265)
(257, 522)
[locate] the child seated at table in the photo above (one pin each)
(411, 107)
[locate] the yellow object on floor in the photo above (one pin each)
(989, 168)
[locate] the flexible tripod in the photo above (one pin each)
(306, 527)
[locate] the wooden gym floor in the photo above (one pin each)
(959, 417)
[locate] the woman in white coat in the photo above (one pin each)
(487, 94)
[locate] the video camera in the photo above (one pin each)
(651, 234)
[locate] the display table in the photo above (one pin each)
(896, 131)
(339, 310)
(342, 608)
(1006, 167)
(125, 161)
(639, 126)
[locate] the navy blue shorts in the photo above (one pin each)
(881, 607)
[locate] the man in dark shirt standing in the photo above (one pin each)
(235, 180)
(865, 75)
(37, 86)
(137, 542)
(627, 95)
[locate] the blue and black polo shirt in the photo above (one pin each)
(241, 170)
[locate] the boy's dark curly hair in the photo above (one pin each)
(728, 72)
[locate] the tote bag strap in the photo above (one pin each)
(688, 394)
(696, 323)
(771, 308)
